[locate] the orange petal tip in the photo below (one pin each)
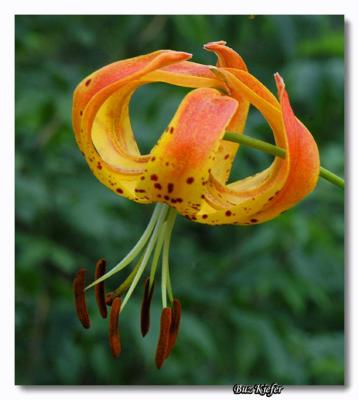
(211, 45)
(279, 82)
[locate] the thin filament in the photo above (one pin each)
(136, 249)
(147, 254)
(165, 282)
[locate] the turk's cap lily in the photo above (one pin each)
(187, 171)
(189, 167)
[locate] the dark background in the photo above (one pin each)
(260, 304)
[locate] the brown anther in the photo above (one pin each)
(100, 287)
(146, 307)
(162, 344)
(80, 300)
(175, 324)
(115, 343)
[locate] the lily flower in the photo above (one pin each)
(187, 170)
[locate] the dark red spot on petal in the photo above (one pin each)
(254, 220)
(119, 190)
(226, 156)
(228, 213)
(204, 216)
(190, 180)
(87, 82)
(170, 187)
(154, 177)
(158, 186)
(166, 197)
(172, 129)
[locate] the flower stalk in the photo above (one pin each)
(279, 152)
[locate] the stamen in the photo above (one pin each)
(100, 287)
(115, 343)
(146, 307)
(165, 282)
(157, 253)
(80, 300)
(175, 323)
(146, 255)
(162, 345)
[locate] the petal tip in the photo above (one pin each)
(280, 84)
(279, 81)
(184, 55)
(211, 45)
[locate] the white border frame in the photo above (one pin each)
(8, 9)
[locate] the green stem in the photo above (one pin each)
(256, 144)
(329, 176)
(279, 152)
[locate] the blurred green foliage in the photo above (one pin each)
(262, 303)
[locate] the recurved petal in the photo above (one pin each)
(229, 58)
(101, 120)
(237, 202)
(186, 74)
(180, 163)
(262, 197)
(118, 73)
(303, 159)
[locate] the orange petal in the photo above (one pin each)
(101, 121)
(119, 72)
(227, 57)
(186, 74)
(262, 197)
(303, 158)
(236, 202)
(181, 161)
